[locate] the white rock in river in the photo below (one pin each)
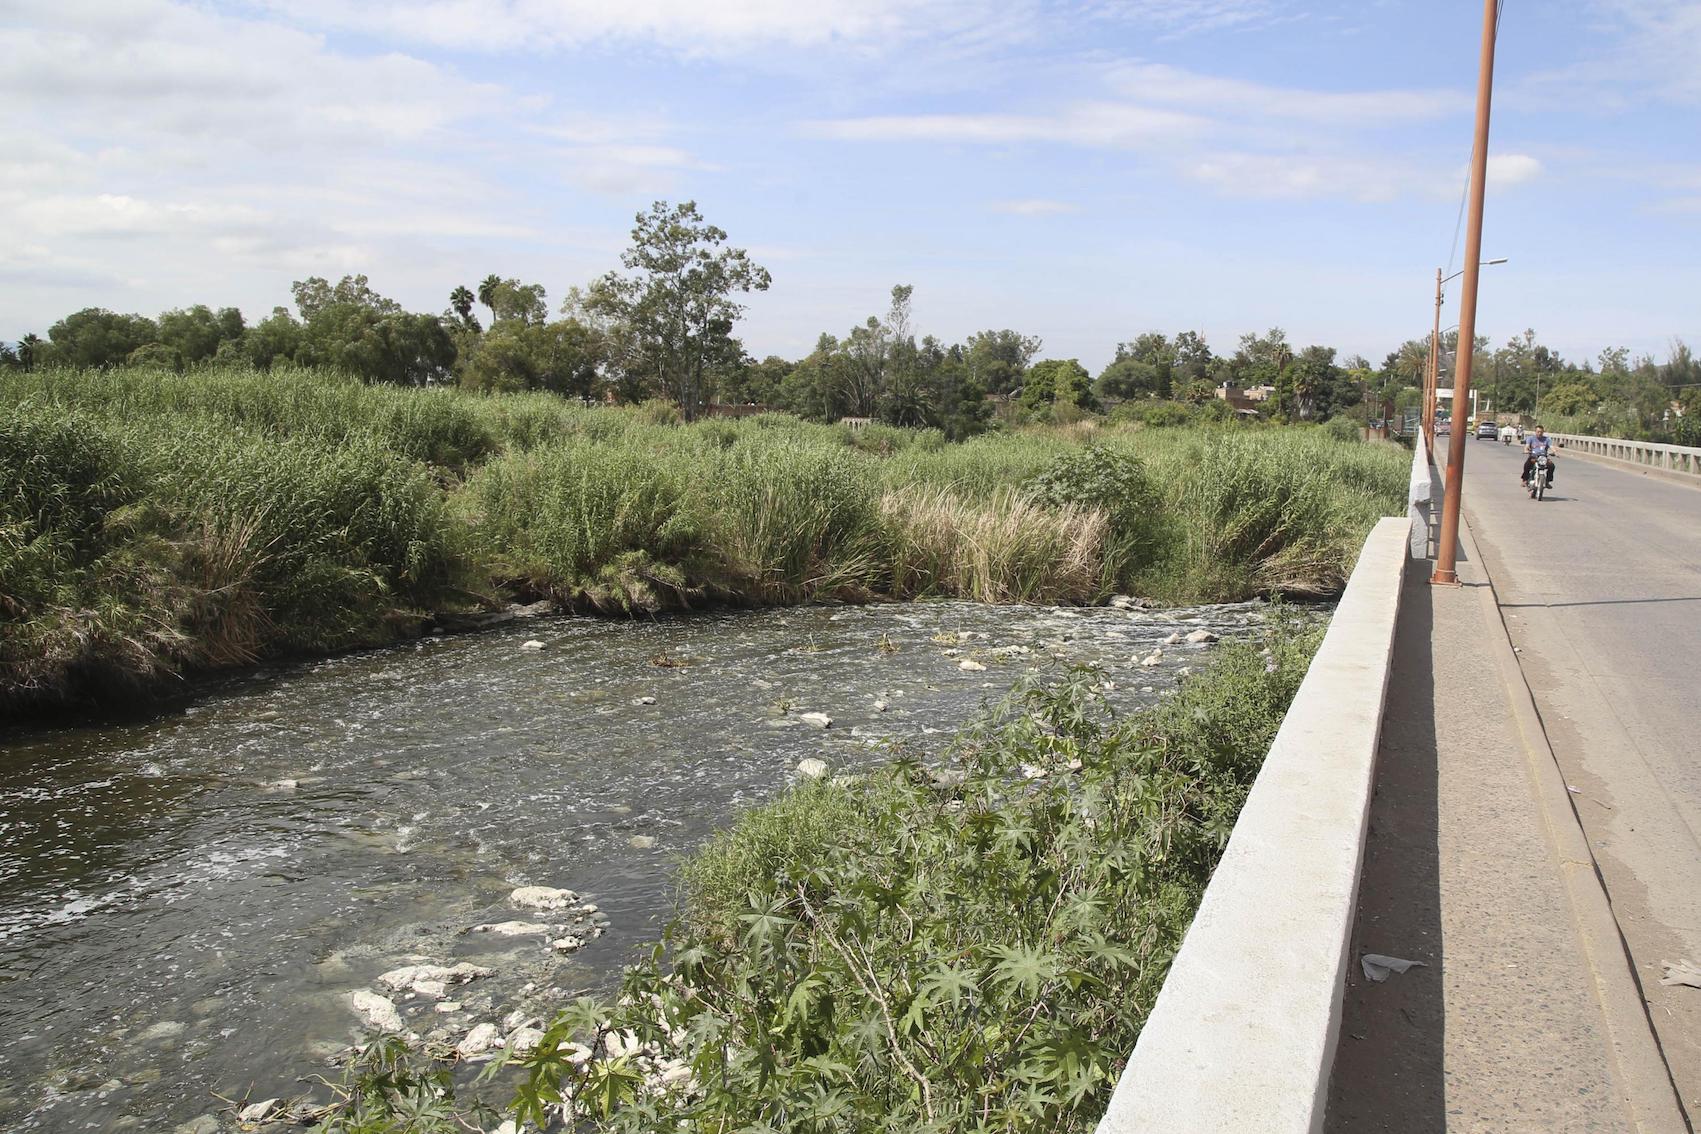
(448, 1006)
(970, 665)
(512, 928)
(568, 944)
(1156, 657)
(542, 898)
(811, 768)
(165, 1029)
(879, 706)
(1174, 639)
(531, 644)
(641, 842)
(480, 1040)
(524, 1040)
(375, 1011)
(819, 720)
(643, 700)
(257, 1112)
(1201, 637)
(282, 785)
(411, 976)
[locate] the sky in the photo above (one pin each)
(1082, 171)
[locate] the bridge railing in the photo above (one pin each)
(1242, 1037)
(1672, 458)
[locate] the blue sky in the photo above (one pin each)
(1080, 171)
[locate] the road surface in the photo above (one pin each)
(1600, 586)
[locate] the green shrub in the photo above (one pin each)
(1115, 483)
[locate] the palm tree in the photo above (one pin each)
(487, 292)
(461, 300)
(29, 350)
(461, 303)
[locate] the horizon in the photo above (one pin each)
(1078, 172)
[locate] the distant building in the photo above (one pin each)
(1247, 401)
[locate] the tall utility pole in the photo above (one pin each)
(1432, 376)
(1446, 555)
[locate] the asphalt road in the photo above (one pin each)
(1600, 586)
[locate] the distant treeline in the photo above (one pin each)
(664, 328)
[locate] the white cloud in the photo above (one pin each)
(1034, 207)
(1297, 176)
(1246, 139)
(1506, 170)
(1103, 124)
(690, 27)
(627, 170)
(1661, 44)
(1177, 18)
(1161, 83)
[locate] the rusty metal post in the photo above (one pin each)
(1446, 555)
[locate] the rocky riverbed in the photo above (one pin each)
(446, 839)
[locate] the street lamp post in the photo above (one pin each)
(1432, 376)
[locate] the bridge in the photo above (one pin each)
(1499, 782)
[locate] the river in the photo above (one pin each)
(186, 901)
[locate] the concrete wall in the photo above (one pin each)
(1670, 458)
(1243, 1035)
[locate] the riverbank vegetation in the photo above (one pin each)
(155, 523)
(964, 939)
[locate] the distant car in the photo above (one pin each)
(1487, 431)
(1444, 427)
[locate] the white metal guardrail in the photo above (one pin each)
(1242, 1037)
(1672, 458)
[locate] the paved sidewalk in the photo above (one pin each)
(1526, 1016)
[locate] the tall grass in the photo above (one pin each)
(1008, 549)
(153, 522)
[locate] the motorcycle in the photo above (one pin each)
(1539, 472)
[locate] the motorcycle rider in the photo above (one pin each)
(1534, 445)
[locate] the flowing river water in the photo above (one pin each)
(187, 902)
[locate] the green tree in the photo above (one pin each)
(274, 338)
(315, 294)
(679, 306)
(196, 333)
(997, 360)
(95, 336)
(1313, 375)
(1570, 399)
(1128, 377)
(351, 327)
(511, 299)
(1192, 357)
(1057, 381)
